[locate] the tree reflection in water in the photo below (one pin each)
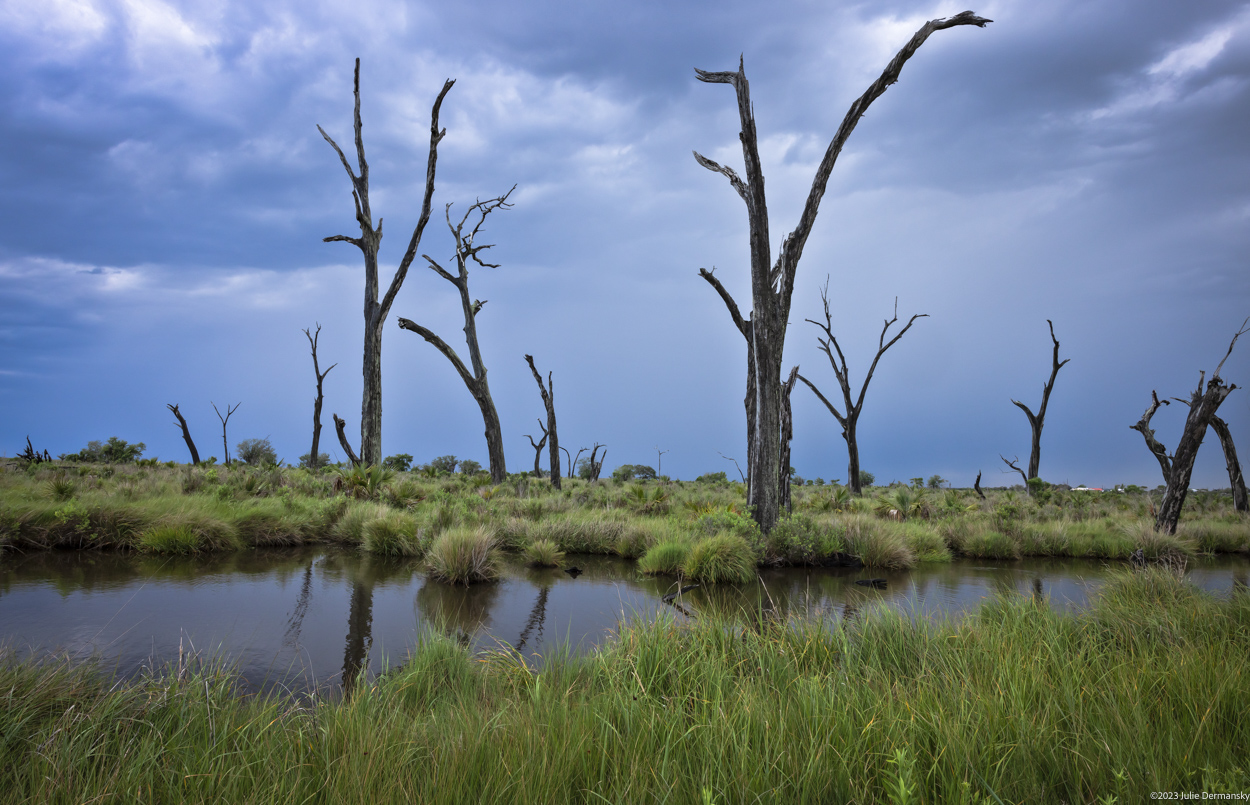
(455, 610)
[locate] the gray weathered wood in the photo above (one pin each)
(538, 448)
(375, 311)
(1236, 480)
(340, 427)
(549, 402)
(854, 405)
(772, 285)
(468, 250)
(321, 376)
(1036, 421)
(186, 433)
(225, 445)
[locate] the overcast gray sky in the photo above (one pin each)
(164, 192)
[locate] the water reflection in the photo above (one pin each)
(279, 615)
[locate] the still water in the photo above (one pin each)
(321, 619)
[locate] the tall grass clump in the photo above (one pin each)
(395, 533)
(876, 546)
(463, 556)
(350, 527)
(665, 558)
(543, 553)
(722, 558)
(174, 539)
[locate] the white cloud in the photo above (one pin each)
(61, 27)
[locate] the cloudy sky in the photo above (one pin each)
(164, 193)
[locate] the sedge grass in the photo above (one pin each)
(1143, 692)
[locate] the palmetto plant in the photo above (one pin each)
(363, 482)
(902, 503)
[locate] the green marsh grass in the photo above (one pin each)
(722, 558)
(1143, 692)
(463, 555)
(665, 558)
(543, 553)
(395, 533)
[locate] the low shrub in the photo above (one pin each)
(725, 557)
(176, 539)
(463, 556)
(543, 553)
(665, 558)
(393, 534)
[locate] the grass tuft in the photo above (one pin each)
(722, 558)
(463, 556)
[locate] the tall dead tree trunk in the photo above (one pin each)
(573, 459)
(375, 312)
(340, 426)
(475, 381)
(1178, 469)
(854, 407)
(538, 448)
(772, 284)
(1036, 421)
(316, 440)
(549, 402)
(1235, 479)
(186, 433)
(225, 445)
(787, 433)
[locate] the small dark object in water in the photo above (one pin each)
(1137, 558)
(668, 599)
(876, 584)
(574, 571)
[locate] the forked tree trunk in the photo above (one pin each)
(1178, 469)
(225, 445)
(1235, 479)
(375, 312)
(596, 467)
(1037, 421)
(549, 402)
(186, 433)
(772, 285)
(854, 406)
(316, 436)
(538, 448)
(475, 381)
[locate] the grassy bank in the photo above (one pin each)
(673, 527)
(1145, 691)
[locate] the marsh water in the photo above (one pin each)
(323, 619)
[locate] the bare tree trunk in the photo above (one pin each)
(1235, 479)
(224, 419)
(475, 381)
(573, 461)
(375, 312)
(186, 433)
(854, 406)
(1203, 405)
(1036, 421)
(597, 466)
(340, 426)
(316, 440)
(772, 285)
(787, 433)
(977, 486)
(549, 402)
(538, 448)
(1015, 465)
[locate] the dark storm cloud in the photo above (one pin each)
(1084, 162)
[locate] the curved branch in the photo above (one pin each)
(340, 426)
(734, 179)
(1015, 466)
(739, 322)
(1154, 445)
(441, 346)
(836, 415)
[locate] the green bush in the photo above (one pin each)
(256, 452)
(725, 557)
(393, 534)
(463, 556)
(176, 539)
(665, 558)
(114, 451)
(400, 462)
(543, 553)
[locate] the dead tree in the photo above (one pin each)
(1036, 421)
(854, 406)
(224, 419)
(772, 284)
(375, 312)
(1014, 463)
(341, 427)
(467, 250)
(596, 467)
(1235, 479)
(573, 460)
(549, 402)
(977, 486)
(787, 433)
(186, 432)
(316, 440)
(538, 448)
(1179, 467)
